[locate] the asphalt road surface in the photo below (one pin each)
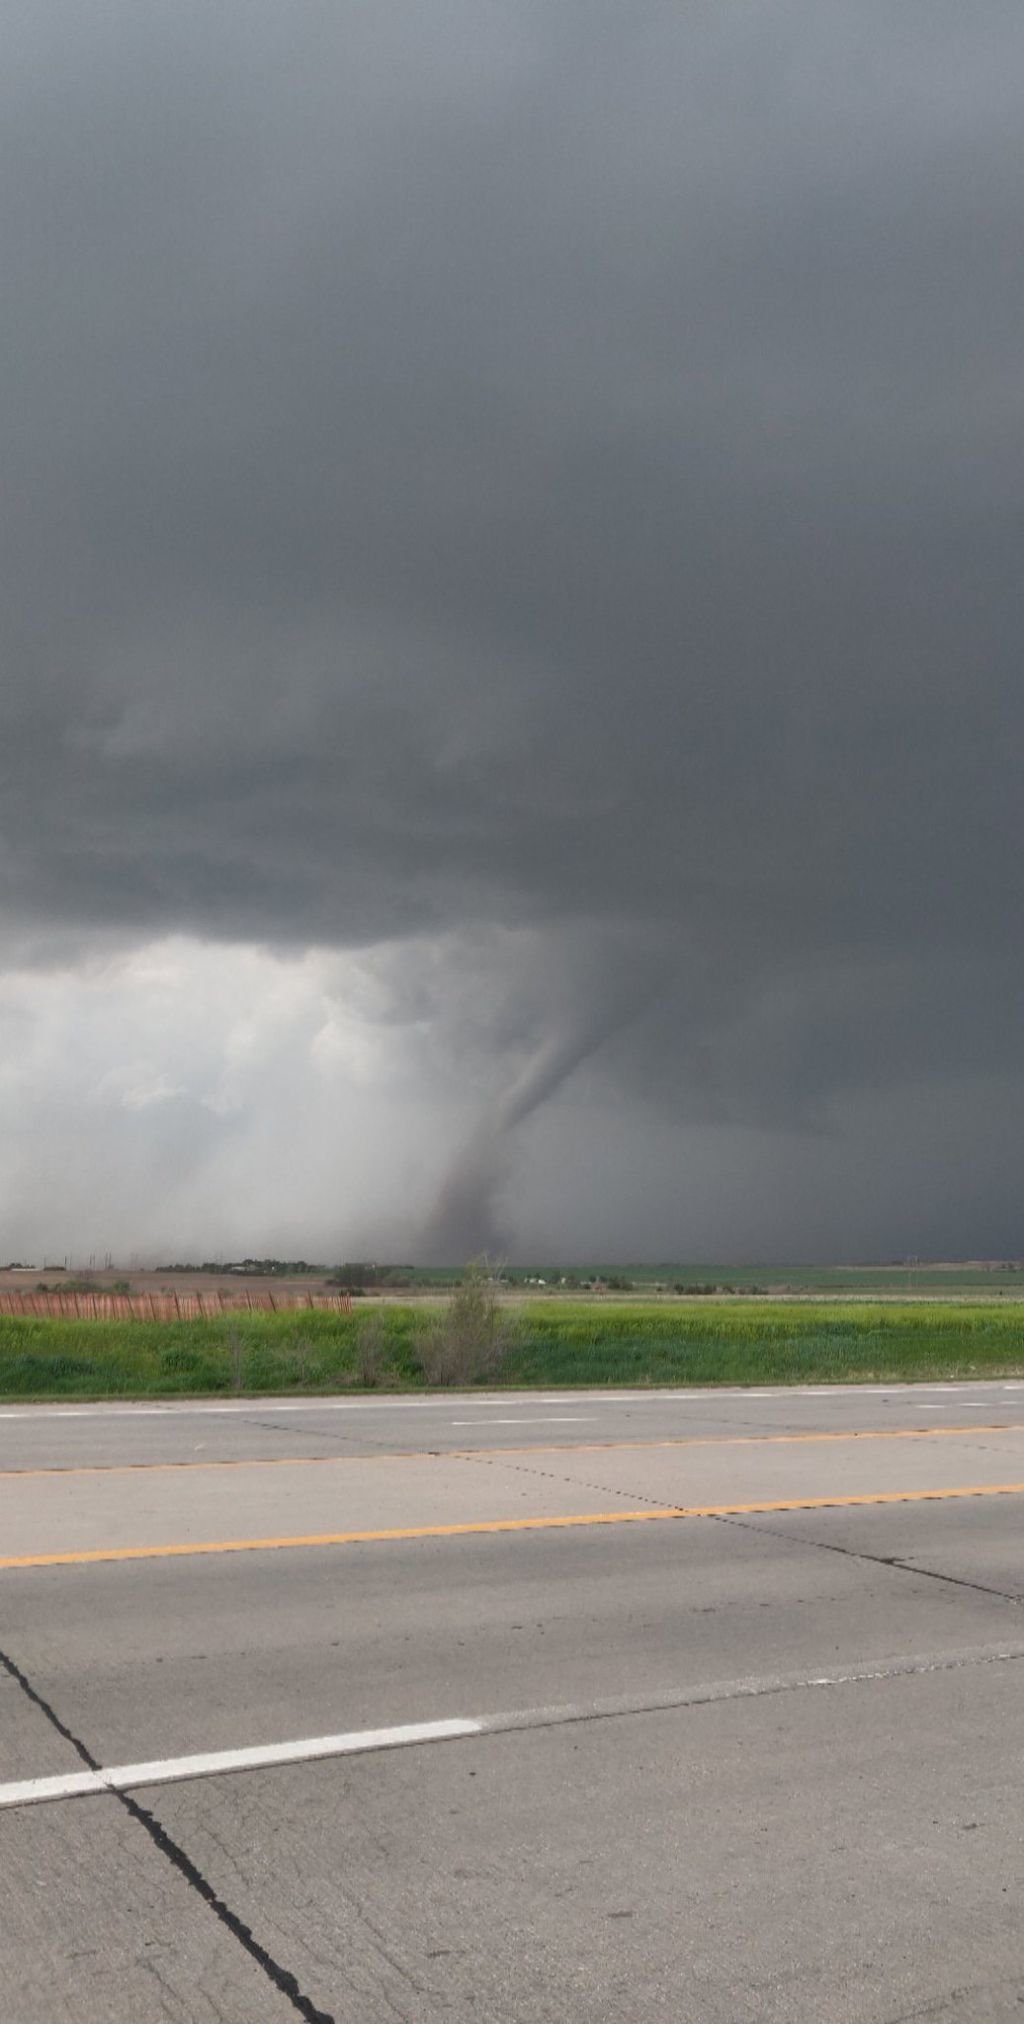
(705, 1707)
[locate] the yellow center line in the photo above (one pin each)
(670, 1511)
(526, 1448)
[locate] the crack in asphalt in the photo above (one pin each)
(890, 1560)
(282, 1978)
(499, 1461)
(327, 1439)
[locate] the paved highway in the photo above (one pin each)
(695, 1706)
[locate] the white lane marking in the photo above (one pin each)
(715, 1395)
(214, 1763)
(168, 1770)
(27, 1791)
(206, 1408)
(534, 1420)
(957, 1406)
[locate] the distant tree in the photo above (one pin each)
(354, 1276)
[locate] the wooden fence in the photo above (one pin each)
(100, 1306)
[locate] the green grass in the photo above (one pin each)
(558, 1342)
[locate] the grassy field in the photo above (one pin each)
(556, 1342)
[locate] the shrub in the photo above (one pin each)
(371, 1347)
(236, 1358)
(469, 1340)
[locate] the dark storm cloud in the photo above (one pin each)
(549, 464)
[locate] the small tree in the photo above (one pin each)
(469, 1340)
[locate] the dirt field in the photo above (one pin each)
(165, 1282)
(161, 1296)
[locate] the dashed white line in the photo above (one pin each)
(170, 1770)
(533, 1420)
(955, 1406)
(207, 1409)
(356, 1742)
(653, 1398)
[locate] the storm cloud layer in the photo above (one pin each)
(513, 525)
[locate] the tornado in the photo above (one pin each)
(466, 1221)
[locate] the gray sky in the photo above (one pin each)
(512, 627)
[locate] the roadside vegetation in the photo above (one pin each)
(473, 1338)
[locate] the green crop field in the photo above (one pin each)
(549, 1342)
